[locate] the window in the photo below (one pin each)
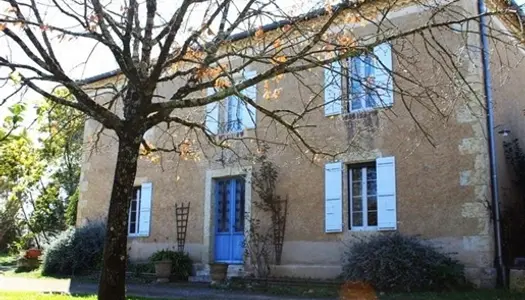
(360, 83)
(140, 210)
(134, 212)
(362, 183)
(231, 116)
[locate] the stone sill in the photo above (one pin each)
(349, 116)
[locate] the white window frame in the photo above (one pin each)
(364, 199)
(349, 95)
(137, 219)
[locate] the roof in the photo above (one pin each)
(513, 21)
(238, 36)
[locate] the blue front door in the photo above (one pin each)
(229, 220)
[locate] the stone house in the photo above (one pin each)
(391, 178)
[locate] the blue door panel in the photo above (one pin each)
(229, 220)
(237, 247)
(222, 248)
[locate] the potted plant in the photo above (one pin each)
(218, 272)
(182, 266)
(33, 253)
(162, 260)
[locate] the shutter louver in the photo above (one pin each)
(212, 114)
(386, 193)
(333, 197)
(333, 91)
(383, 81)
(249, 113)
(145, 208)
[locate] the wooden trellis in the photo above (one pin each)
(280, 211)
(181, 216)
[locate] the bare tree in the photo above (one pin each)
(153, 46)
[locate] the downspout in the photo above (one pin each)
(487, 86)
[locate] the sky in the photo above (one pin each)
(72, 54)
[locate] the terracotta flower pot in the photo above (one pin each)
(163, 270)
(33, 253)
(218, 272)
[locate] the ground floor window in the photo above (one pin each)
(362, 186)
(134, 211)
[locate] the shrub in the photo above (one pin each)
(75, 251)
(181, 262)
(393, 262)
(161, 255)
(138, 268)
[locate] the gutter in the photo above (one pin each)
(487, 86)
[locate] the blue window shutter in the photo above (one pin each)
(386, 193)
(248, 112)
(145, 208)
(333, 184)
(333, 91)
(212, 114)
(383, 82)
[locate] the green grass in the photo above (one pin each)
(333, 291)
(7, 260)
(40, 296)
(471, 295)
(8, 268)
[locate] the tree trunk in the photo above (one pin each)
(112, 280)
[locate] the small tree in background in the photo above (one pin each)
(39, 177)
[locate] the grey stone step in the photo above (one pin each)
(200, 278)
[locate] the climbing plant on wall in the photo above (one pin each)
(267, 233)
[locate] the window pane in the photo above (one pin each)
(356, 189)
(372, 218)
(239, 205)
(133, 205)
(371, 188)
(369, 82)
(132, 227)
(356, 103)
(357, 204)
(372, 203)
(356, 174)
(356, 88)
(133, 217)
(371, 173)
(223, 209)
(232, 115)
(357, 219)
(232, 109)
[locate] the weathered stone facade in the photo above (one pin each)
(442, 189)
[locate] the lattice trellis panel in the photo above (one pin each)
(182, 213)
(279, 227)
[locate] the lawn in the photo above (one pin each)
(36, 296)
(8, 268)
(7, 260)
(475, 295)
(471, 295)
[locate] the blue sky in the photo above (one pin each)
(73, 54)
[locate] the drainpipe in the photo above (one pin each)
(502, 272)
